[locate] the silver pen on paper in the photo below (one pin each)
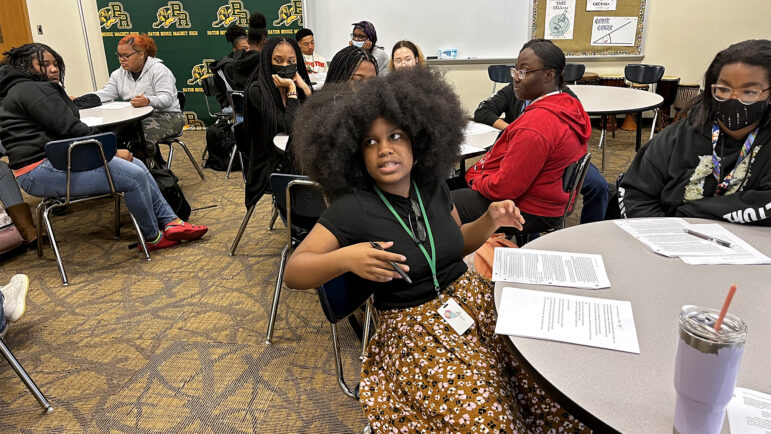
(715, 240)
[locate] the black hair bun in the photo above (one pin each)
(234, 32)
(257, 21)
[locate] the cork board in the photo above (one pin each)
(590, 30)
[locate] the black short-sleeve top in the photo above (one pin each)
(362, 217)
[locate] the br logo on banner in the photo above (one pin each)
(192, 122)
(114, 14)
(233, 12)
(289, 13)
(200, 71)
(173, 13)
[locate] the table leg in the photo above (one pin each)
(638, 138)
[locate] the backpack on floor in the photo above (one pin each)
(10, 238)
(219, 144)
(167, 182)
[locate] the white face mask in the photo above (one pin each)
(359, 44)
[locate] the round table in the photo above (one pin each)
(617, 391)
(610, 100)
(100, 117)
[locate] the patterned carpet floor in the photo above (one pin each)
(176, 344)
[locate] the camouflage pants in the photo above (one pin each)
(157, 127)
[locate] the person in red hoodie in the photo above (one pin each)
(526, 163)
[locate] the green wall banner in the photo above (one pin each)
(190, 34)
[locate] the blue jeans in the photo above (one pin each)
(143, 198)
(595, 192)
(2, 317)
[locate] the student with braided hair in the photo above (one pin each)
(351, 64)
(35, 110)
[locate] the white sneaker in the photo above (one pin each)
(15, 295)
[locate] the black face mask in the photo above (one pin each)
(734, 115)
(287, 71)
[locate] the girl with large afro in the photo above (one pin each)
(380, 151)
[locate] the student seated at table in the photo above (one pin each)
(36, 110)
(351, 64)
(235, 35)
(383, 168)
(314, 62)
(595, 188)
(405, 54)
(364, 36)
(527, 161)
(273, 95)
(13, 301)
(144, 80)
(715, 163)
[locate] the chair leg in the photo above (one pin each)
(39, 212)
(365, 335)
(602, 143)
(116, 235)
(230, 162)
(205, 151)
(653, 125)
(141, 237)
(243, 171)
(54, 246)
(273, 217)
(277, 294)
(25, 378)
(339, 366)
(171, 154)
(192, 159)
(241, 229)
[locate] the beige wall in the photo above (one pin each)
(682, 35)
(62, 32)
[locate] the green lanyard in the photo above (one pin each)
(431, 259)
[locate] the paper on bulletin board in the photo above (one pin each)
(615, 31)
(560, 16)
(600, 5)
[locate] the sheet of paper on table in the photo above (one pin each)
(543, 267)
(473, 128)
(92, 121)
(115, 105)
(468, 149)
(594, 322)
(749, 412)
(667, 237)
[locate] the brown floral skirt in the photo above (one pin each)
(421, 376)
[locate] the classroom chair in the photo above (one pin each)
(237, 102)
(176, 139)
(339, 300)
(25, 378)
(76, 155)
(573, 72)
(644, 74)
(499, 74)
(207, 83)
(300, 203)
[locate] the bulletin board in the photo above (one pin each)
(595, 33)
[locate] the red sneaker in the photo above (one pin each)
(184, 231)
(160, 244)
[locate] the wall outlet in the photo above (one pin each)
(39, 29)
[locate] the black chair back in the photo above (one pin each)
(207, 83)
(572, 180)
(181, 97)
(339, 298)
(83, 157)
(237, 102)
(499, 73)
(643, 74)
(307, 201)
(574, 71)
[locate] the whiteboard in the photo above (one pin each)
(480, 29)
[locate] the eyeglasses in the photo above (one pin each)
(124, 56)
(356, 37)
(520, 73)
(420, 233)
(746, 96)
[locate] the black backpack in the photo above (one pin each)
(219, 145)
(167, 182)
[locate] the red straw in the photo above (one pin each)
(723, 311)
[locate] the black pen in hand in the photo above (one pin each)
(393, 264)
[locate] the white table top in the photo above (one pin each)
(635, 392)
(479, 137)
(607, 100)
(100, 117)
(280, 140)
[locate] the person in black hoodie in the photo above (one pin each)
(716, 163)
(35, 110)
(236, 37)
